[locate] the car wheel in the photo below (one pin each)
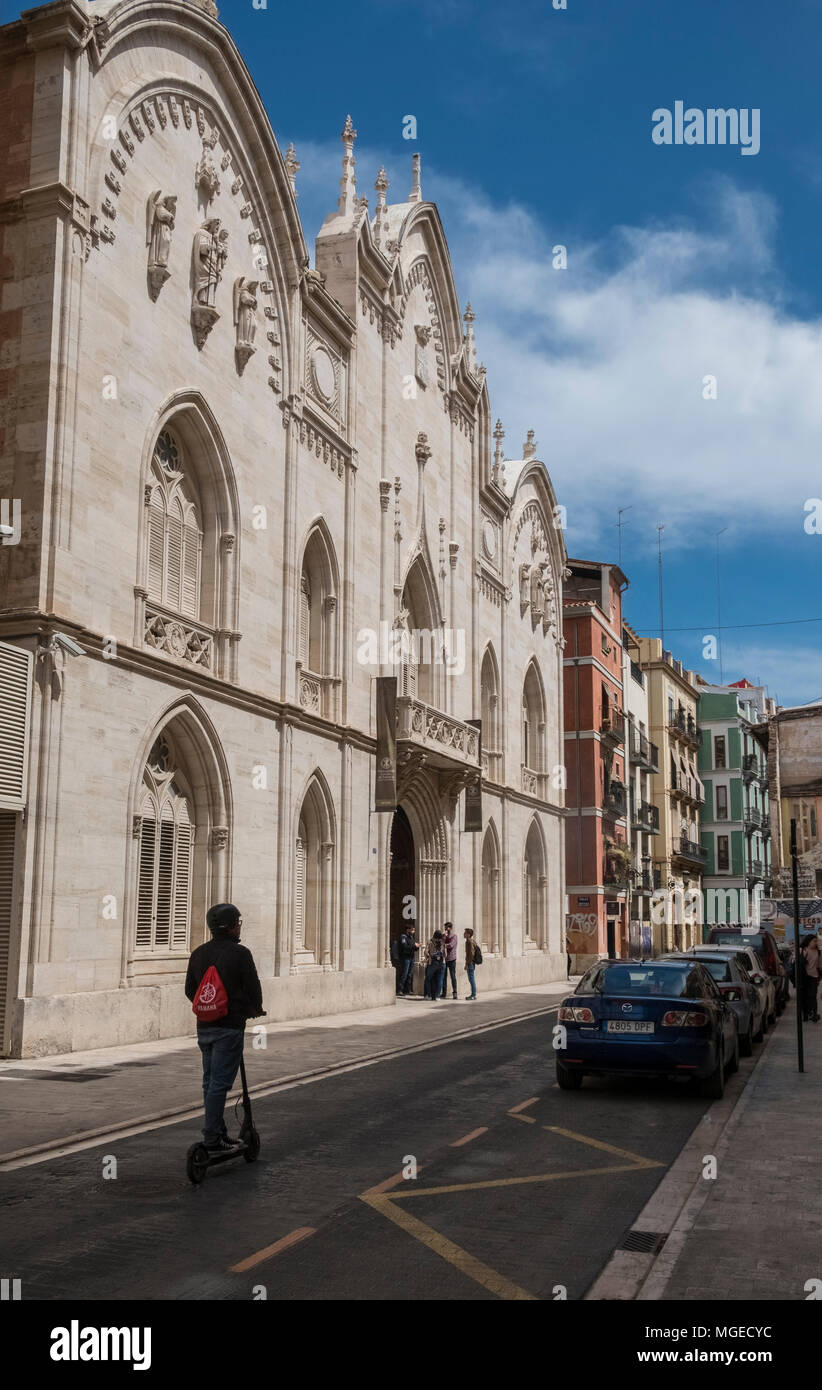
(568, 1080)
(760, 1033)
(772, 1018)
(713, 1086)
(746, 1043)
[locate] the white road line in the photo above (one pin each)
(75, 1144)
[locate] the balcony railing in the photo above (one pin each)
(638, 673)
(533, 783)
(689, 849)
(612, 728)
(646, 882)
(644, 753)
(685, 727)
(750, 767)
(447, 740)
(644, 816)
(615, 802)
(766, 829)
(751, 818)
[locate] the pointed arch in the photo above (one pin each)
(490, 713)
(318, 622)
(533, 727)
(491, 865)
(535, 887)
(314, 938)
(181, 819)
(188, 539)
(422, 672)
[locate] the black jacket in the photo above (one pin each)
(236, 968)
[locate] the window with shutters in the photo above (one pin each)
(317, 625)
(8, 827)
(175, 538)
(166, 854)
(299, 888)
(15, 702)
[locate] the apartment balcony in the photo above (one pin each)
(644, 817)
(615, 802)
(751, 819)
(693, 794)
(750, 767)
(763, 778)
(689, 850)
(447, 743)
(612, 728)
(766, 828)
(646, 882)
(644, 754)
(657, 873)
(684, 727)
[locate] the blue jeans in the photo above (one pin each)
(471, 980)
(222, 1049)
(406, 974)
(450, 969)
(433, 980)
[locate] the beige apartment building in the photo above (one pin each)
(678, 858)
(248, 489)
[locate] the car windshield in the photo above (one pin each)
(645, 979)
(734, 937)
(720, 969)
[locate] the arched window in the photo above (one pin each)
(535, 884)
(317, 626)
(490, 891)
(166, 852)
(489, 710)
(533, 733)
(314, 889)
(175, 536)
(421, 672)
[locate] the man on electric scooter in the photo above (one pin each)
(223, 1001)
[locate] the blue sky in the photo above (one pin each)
(534, 127)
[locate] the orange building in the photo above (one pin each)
(597, 856)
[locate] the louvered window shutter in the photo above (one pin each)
(145, 883)
(156, 546)
(15, 702)
(165, 878)
(299, 895)
(182, 882)
(191, 568)
(174, 559)
(8, 825)
(305, 622)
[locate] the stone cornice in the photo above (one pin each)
(324, 309)
(63, 24)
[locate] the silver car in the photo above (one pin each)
(747, 989)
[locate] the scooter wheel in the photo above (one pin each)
(252, 1140)
(197, 1163)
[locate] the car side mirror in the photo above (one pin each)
(758, 979)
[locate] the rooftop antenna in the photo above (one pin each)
(620, 524)
(719, 605)
(659, 531)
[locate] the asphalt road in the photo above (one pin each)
(505, 1205)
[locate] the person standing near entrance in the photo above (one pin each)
(450, 946)
(470, 961)
(408, 955)
(221, 1039)
(435, 967)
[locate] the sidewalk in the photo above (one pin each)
(53, 1098)
(754, 1232)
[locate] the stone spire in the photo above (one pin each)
(292, 164)
(415, 196)
(381, 187)
(471, 348)
(529, 448)
(499, 435)
(347, 201)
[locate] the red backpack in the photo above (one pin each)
(211, 1001)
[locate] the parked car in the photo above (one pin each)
(648, 1018)
(764, 942)
(748, 995)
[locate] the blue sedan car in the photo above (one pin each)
(648, 1018)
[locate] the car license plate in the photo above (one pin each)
(621, 1025)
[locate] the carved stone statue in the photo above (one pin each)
(245, 319)
(209, 255)
(160, 213)
(206, 176)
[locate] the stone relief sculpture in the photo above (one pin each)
(206, 176)
(161, 210)
(245, 319)
(209, 255)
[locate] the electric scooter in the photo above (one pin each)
(199, 1160)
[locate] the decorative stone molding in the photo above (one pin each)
(385, 494)
(179, 637)
(205, 175)
(136, 826)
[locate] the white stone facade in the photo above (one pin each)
(232, 469)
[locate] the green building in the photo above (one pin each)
(735, 822)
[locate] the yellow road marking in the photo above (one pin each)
(517, 1182)
(526, 1119)
(607, 1148)
(466, 1138)
(523, 1105)
(301, 1233)
(467, 1264)
(388, 1184)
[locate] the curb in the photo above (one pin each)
(674, 1206)
(86, 1138)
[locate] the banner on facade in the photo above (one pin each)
(473, 792)
(385, 782)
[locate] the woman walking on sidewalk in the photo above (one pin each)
(812, 960)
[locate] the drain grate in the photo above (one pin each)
(649, 1242)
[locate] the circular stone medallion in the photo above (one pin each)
(325, 376)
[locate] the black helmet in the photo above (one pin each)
(222, 917)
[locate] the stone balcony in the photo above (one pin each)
(448, 743)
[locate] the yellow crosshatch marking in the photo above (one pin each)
(468, 1264)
